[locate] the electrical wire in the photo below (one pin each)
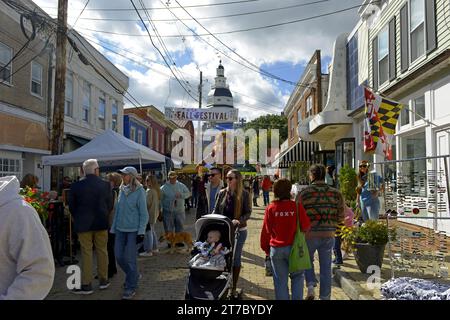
(215, 17)
(29, 60)
(264, 72)
(160, 8)
(84, 8)
(157, 71)
(165, 60)
(239, 30)
(163, 45)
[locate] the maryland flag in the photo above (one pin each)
(379, 125)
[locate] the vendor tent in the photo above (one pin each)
(110, 149)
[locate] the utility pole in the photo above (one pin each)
(60, 89)
(199, 128)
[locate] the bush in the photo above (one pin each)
(373, 232)
(347, 183)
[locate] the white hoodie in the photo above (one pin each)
(27, 267)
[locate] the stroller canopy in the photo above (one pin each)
(215, 222)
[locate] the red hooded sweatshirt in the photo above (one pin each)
(280, 224)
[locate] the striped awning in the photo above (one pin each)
(302, 151)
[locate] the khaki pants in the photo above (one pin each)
(87, 240)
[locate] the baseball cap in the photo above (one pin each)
(129, 170)
(172, 174)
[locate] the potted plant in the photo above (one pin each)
(368, 242)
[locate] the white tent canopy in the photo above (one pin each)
(110, 149)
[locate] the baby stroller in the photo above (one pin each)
(210, 284)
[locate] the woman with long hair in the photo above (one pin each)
(277, 237)
(234, 203)
(115, 180)
(130, 220)
(153, 198)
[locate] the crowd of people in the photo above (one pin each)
(117, 216)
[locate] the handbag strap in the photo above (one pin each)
(296, 211)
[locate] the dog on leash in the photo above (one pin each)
(178, 237)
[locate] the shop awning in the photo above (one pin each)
(302, 151)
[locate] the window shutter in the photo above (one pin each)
(392, 54)
(375, 63)
(404, 37)
(430, 21)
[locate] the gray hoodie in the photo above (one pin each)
(26, 262)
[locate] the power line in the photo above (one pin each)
(155, 70)
(234, 51)
(151, 40)
(160, 8)
(163, 45)
(214, 17)
(238, 30)
(253, 68)
(29, 60)
(101, 74)
(84, 8)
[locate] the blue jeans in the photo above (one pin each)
(279, 258)
(125, 250)
(337, 250)
(173, 221)
(266, 198)
(370, 209)
(324, 247)
(239, 245)
(150, 239)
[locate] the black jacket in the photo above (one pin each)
(90, 202)
(246, 206)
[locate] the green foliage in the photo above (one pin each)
(347, 183)
(373, 232)
(270, 121)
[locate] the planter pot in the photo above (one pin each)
(367, 255)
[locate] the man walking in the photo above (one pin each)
(324, 206)
(255, 191)
(90, 202)
(173, 195)
(266, 185)
(212, 187)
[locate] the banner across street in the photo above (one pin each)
(216, 114)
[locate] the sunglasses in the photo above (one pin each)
(213, 174)
(363, 166)
(230, 178)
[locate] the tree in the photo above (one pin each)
(268, 122)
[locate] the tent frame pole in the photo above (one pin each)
(140, 164)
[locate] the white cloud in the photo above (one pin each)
(293, 43)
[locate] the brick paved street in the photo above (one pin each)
(164, 275)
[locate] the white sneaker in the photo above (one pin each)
(145, 254)
(310, 295)
(156, 250)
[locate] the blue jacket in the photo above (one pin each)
(131, 212)
(168, 200)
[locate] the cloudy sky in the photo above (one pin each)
(282, 50)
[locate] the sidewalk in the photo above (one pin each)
(356, 285)
(164, 275)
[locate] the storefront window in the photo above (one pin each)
(412, 174)
(345, 153)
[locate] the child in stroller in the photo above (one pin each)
(212, 253)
